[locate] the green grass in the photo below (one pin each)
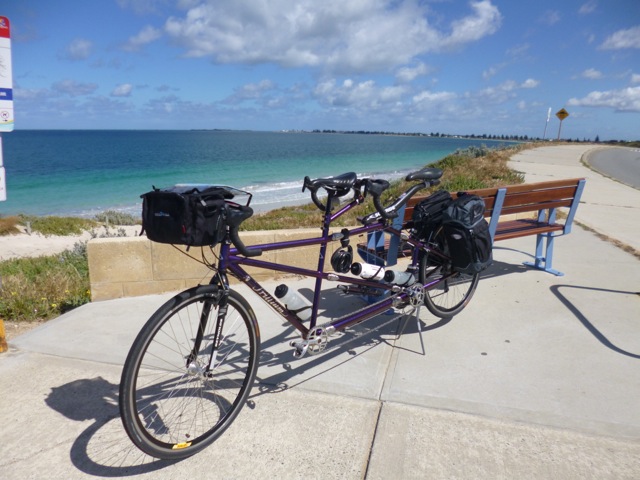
(44, 287)
(54, 225)
(112, 217)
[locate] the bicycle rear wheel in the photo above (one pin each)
(172, 405)
(449, 296)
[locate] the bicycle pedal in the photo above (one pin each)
(300, 348)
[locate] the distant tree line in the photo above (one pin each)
(484, 136)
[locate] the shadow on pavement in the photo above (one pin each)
(557, 291)
(102, 449)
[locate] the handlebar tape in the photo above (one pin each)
(235, 216)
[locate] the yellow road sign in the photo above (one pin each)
(562, 114)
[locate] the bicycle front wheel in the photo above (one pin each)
(189, 372)
(452, 291)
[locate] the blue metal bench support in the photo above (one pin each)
(495, 214)
(394, 242)
(376, 243)
(546, 262)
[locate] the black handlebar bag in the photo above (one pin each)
(184, 215)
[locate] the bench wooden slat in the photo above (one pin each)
(516, 228)
(540, 206)
(525, 198)
(527, 187)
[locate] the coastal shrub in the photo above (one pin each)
(9, 225)
(53, 225)
(113, 217)
(44, 287)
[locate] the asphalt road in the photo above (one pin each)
(620, 163)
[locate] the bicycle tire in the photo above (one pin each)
(448, 297)
(171, 410)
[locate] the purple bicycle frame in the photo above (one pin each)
(231, 262)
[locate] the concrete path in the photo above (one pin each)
(539, 377)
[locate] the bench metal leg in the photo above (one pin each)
(544, 262)
(375, 243)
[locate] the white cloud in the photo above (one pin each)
(358, 95)
(592, 74)
(408, 74)
(122, 90)
(490, 72)
(635, 78)
(519, 51)
(588, 7)
(334, 35)
(550, 17)
(78, 49)
(73, 88)
(250, 91)
(629, 38)
(485, 21)
(624, 100)
(147, 35)
(433, 97)
(530, 83)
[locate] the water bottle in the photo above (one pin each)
(368, 271)
(294, 302)
(403, 279)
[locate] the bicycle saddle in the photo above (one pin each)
(341, 184)
(425, 174)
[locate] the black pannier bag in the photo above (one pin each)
(185, 215)
(467, 234)
(427, 215)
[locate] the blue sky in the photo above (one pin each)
(458, 67)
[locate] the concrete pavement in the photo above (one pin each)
(537, 378)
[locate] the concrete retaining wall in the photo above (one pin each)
(133, 266)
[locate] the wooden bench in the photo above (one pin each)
(544, 198)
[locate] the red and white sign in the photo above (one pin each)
(6, 77)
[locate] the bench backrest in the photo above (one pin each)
(527, 197)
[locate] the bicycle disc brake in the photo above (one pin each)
(315, 343)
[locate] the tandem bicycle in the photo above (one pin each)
(191, 367)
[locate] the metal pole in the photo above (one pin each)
(559, 128)
(544, 135)
(3, 183)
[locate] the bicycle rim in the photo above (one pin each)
(453, 291)
(171, 406)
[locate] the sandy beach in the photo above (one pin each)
(35, 245)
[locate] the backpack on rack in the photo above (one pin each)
(467, 234)
(427, 215)
(185, 215)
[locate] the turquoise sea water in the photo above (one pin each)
(86, 172)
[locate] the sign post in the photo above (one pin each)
(544, 135)
(561, 114)
(6, 121)
(6, 95)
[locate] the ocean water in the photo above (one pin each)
(86, 172)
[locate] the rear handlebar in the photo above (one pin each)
(428, 177)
